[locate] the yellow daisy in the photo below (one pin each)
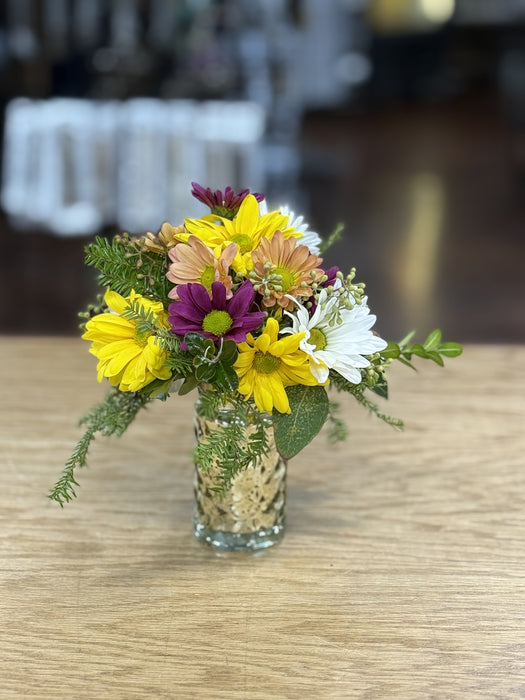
(129, 359)
(246, 229)
(267, 364)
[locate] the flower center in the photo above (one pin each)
(264, 363)
(217, 322)
(225, 212)
(142, 338)
(317, 339)
(244, 242)
(288, 278)
(208, 277)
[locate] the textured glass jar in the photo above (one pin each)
(250, 515)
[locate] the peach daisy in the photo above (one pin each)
(195, 262)
(282, 268)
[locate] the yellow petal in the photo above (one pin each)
(272, 329)
(248, 215)
(263, 342)
(114, 348)
(287, 345)
(115, 301)
(262, 397)
(280, 399)
(119, 361)
(244, 359)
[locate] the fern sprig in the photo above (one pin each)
(374, 408)
(124, 265)
(229, 449)
(112, 416)
(239, 440)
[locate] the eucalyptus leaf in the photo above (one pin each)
(309, 410)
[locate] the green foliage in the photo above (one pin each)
(110, 417)
(180, 362)
(124, 265)
(336, 235)
(374, 408)
(146, 321)
(98, 307)
(239, 439)
(309, 411)
(380, 386)
(357, 391)
(213, 365)
(432, 349)
(337, 428)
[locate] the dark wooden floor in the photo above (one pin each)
(432, 198)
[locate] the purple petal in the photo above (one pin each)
(181, 327)
(253, 319)
(331, 273)
(181, 309)
(218, 292)
(204, 196)
(182, 318)
(238, 335)
(241, 300)
(198, 296)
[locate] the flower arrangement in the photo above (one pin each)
(236, 304)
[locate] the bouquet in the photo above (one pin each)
(238, 306)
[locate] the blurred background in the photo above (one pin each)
(403, 119)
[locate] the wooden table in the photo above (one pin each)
(402, 573)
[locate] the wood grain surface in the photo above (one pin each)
(401, 575)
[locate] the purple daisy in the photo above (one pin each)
(216, 317)
(225, 203)
(331, 273)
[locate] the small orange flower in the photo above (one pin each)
(282, 267)
(195, 262)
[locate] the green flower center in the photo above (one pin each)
(208, 277)
(142, 338)
(288, 278)
(217, 322)
(224, 212)
(264, 363)
(244, 242)
(317, 339)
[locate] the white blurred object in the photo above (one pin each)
(73, 166)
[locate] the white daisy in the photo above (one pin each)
(336, 337)
(309, 238)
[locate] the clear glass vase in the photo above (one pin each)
(251, 514)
